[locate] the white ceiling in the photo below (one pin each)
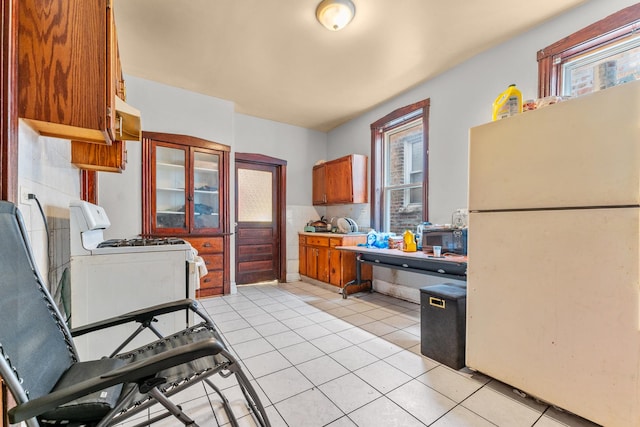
(275, 61)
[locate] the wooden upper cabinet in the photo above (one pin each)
(68, 72)
(341, 181)
(318, 188)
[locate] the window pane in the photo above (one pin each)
(170, 189)
(404, 143)
(206, 208)
(401, 214)
(255, 197)
(600, 69)
(416, 195)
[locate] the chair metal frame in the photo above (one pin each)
(145, 377)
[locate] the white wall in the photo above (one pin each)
(174, 110)
(45, 170)
(460, 99)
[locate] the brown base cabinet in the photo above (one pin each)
(320, 260)
(211, 249)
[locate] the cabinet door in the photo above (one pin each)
(302, 256)
(312, 262)
(169, 197)
(339, 180)
(318, 193)
(99, 157)
(335, 267)
(205, 193)
(64, 68)
(323, 264)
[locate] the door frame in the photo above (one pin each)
(9, 101)
(281, 201)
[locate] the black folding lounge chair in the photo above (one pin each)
(39, 362)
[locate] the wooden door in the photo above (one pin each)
(259, 220)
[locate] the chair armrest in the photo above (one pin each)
(141, 315)
(133, 372)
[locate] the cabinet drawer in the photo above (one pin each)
(335, 241)
(213, 279)
(207, 245)
(317, 241)
(213, 261)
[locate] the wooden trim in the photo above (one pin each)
(281, 166)
(225, 217)
(185, 140)
(377, 129)
(8, 102)
(89, 186)
(4, 403)
(260, 158)
(607, 30)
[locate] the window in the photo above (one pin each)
(603, 54)
(399, 169)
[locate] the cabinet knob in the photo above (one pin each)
(206, 245)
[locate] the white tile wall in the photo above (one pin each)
(44, 169)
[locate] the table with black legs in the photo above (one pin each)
(450, 266)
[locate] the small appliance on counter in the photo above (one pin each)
(450, 238)
(319, 226)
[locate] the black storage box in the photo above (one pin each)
(443, 312)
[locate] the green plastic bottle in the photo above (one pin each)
(508, 103)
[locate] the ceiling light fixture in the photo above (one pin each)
(335, 14)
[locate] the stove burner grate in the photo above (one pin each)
(141, 241)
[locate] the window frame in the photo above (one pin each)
(607, 31)
(378, 128)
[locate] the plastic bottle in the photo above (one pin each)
(508, 103)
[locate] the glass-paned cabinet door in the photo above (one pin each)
(206, 190)
(170, 189)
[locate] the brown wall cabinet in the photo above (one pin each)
(185, 194)
(320, 260)
(102, 157)
(69, 75)
(68, 71)
(99, 157)
(340, 181)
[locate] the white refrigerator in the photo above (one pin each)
(554, 253)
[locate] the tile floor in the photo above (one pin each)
(319, 360)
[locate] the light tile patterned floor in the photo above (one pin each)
(319, 360)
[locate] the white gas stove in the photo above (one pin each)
(87, 224)
(115, 276)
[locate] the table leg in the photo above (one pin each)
(358, 280)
